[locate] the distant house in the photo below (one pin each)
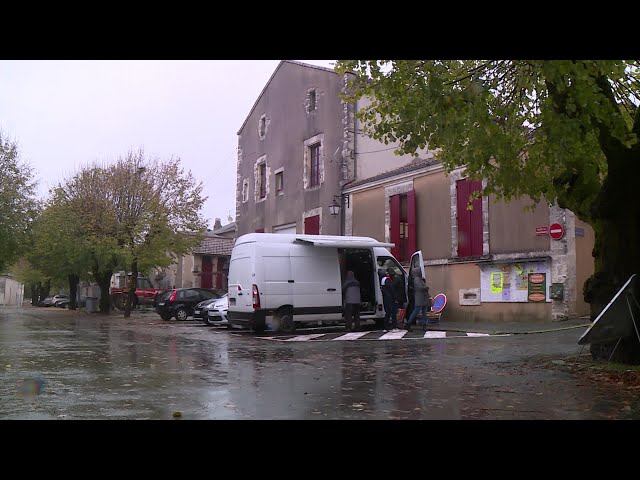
(11, 291)
(206, 267)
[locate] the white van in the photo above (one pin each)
(280, 280)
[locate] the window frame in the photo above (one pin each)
(314, 177)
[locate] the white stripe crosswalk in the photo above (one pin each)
(376, 335)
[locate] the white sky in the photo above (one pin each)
(66, 114)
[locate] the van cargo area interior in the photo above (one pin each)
(360, 261)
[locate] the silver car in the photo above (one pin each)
(217, 314)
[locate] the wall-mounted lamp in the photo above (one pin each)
(335, 206)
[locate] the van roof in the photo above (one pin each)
(313, 240)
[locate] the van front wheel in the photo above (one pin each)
(285, 321)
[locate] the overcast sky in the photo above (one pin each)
(66, 114)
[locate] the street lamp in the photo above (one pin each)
(334, 208)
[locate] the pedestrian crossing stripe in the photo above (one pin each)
(397, 335)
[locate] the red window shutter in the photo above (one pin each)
(312, 225)
(464, 219)
(475, 219)
(394, 227)
(411, 220)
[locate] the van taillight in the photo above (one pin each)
(256, 297)
(173, 296)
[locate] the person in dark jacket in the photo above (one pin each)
(422, 301)
(351, 293)
(388, 300)
(399, 293)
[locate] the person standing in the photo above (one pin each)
(399, 294)
(351, 293)
(388, 301)
(421, 298)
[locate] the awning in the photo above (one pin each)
(342, 243)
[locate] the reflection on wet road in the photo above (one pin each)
(68, 365)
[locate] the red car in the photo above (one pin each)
(146, 294)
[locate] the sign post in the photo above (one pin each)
(556, 231)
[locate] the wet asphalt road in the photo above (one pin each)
(56, 364)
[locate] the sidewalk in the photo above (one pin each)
(513, 327)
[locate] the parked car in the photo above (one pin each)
(180, 302)
(201, 310)
(63, 303)
(217, 313)
(60, 299)
(145, 294)
(50, 301)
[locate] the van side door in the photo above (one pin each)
(317, 287)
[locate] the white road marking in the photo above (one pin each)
(435, 334)
(304, 338)
(351, 336)
(471, 334)
(393, 335)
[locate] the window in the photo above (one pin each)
(312, 225)
(314, 171)
(262, 179)
(402, 228)
(279, 183)
(469, 221)
(312, 100)
(245, 190)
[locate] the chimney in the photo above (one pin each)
(217, 224)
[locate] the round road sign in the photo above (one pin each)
(556, 231)
(439, 301)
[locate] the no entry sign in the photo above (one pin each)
(556, 231)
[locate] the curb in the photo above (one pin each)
(508, 332)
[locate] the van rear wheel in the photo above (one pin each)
(285, 321)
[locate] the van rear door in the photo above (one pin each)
(241, 274)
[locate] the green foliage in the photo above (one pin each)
(538, 128)
(106, 216)
(17, 203)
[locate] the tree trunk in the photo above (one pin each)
(133, 282)
(104, 280)
(43, 290)
(73, 291)
(617, 247)
(34, 294)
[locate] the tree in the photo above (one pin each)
(85, 203)
(157, 207)
(134, 214)
(58, 247)
(17, 202)
(563, 130)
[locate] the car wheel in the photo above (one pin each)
(181, 314)
(285, 321)
(207, 321)
(165, 316)
(229, 326)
